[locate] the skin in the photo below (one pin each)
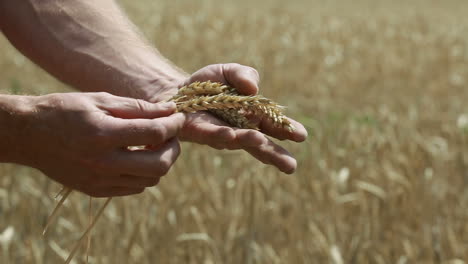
(81, 139)
(96, 49)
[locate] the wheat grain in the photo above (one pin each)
(233, 117)
(226, 103)
(203, 88)
(220, 101)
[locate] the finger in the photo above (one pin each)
(137, 132)
(246, 138)
(213, 72)
(113, 191)
(244, 78)
(147, 163)
(273, 154)
(262, 148)
(299, 133)
(211, 132)
(128, 108)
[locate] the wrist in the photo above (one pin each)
(161, 89)
(15, 111)
(152, 76)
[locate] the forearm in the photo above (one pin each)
(13, 127)
(90, 45)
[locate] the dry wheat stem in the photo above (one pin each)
(66, 192)
(90, 220)
(85, 234)
(222, 101)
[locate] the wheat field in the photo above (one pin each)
(381, 87)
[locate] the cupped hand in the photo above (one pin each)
(81, 140)
(204, 128)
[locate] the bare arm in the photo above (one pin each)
(88, 44)
(92, 46)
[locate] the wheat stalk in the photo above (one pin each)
(66, 192)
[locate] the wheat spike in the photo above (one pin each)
(234, 118)
(221, 101)
(226, 103)
(202, 88)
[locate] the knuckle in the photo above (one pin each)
(141, 105)
(54, 100)
(102, 94)
(229, 68)
(101, 97)
(98, 134)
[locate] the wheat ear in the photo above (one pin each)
(234, 118)
(202, 88)
(226, 103)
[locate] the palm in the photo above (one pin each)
(204, 128)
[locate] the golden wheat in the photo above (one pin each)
(234, 118)
(203, 88)
(225, 102)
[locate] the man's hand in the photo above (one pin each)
(97, 35)
(204, 128)
(81, 140)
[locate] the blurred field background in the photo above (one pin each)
(382, 89)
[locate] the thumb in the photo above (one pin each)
(128, 108)
(244, 78)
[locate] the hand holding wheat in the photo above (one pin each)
(226, 103)
(205, 128)
(237, 110)
(79, 140)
